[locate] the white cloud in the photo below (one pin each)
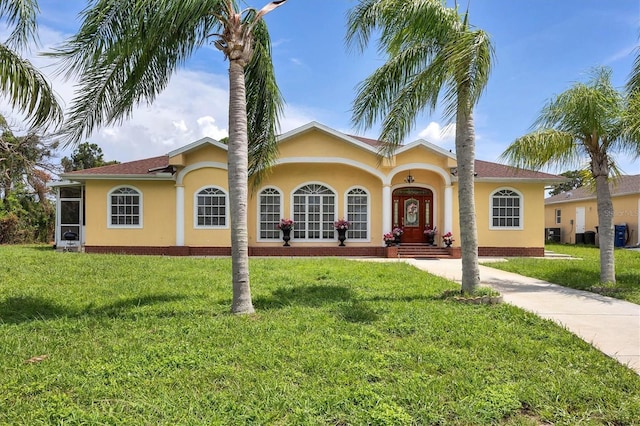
(439, 135)
(209, 128)
(180, 125)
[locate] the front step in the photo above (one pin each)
(409, 250)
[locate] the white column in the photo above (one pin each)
(638, 236)
(58, 237)
(179, 215)
(448, 209)
(386, 208)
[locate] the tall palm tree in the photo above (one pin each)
(126, 52)
(431, 49)
(633, 91)
(21, 83)
(588, 121)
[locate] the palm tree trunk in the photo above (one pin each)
(465, 154)
(238, 193)
(605, 229)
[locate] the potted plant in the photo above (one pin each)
(448, 239)
(430, 234)
(286, 225)
(397, 233)
(341, 225)
(389, 238)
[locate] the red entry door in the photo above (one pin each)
(413, 211)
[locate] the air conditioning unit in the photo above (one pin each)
(552, 235)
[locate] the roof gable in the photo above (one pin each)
(362, 143)
(194, 146)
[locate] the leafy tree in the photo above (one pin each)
(26, 213)
(586, 121)
(577, 179)
(21, 157)
(430, 49)
(21, 83)
(85, 156)
(125, 53)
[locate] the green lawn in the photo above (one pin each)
(582, 273)
(149, 340)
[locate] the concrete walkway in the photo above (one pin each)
(610, 325)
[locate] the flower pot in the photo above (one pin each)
(342, 235)
(286, 236)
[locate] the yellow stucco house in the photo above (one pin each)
(177, 204)
(572, 217)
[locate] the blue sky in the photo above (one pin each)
(542, 47)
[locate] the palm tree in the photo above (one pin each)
(431, 49)
(25, 87)
(125, 53)
(588, 121)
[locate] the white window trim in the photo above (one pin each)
(558, 214)
(346, 211)
(521, 207)
(195, 209)
(335, 212)
(141, 212)
(258, 221)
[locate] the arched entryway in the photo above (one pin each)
(413, 211)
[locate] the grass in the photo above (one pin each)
(583, 272)
(149, 340)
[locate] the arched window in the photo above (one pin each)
(314, 211)
(358, 214)
(270, 209)
(125, 208)
(211, 208)
(506, 209)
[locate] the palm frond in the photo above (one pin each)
(376, 94)
(125, 55)
(543, 148)
(28, 90)
(633, 85)
(21, 16)
(264, 106)
(470, 56)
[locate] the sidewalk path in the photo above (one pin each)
(611, 325)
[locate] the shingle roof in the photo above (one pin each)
(138, 167)
(624, 185)
(486, 169)
(373, 142)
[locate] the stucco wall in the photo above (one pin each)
(625, 211)
(158, 214)
(311, 157)
(193, 182)
(530, 235)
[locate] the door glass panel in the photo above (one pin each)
(70, 212)
(411, 212)
(70, 192)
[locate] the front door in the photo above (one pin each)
(413, 212)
